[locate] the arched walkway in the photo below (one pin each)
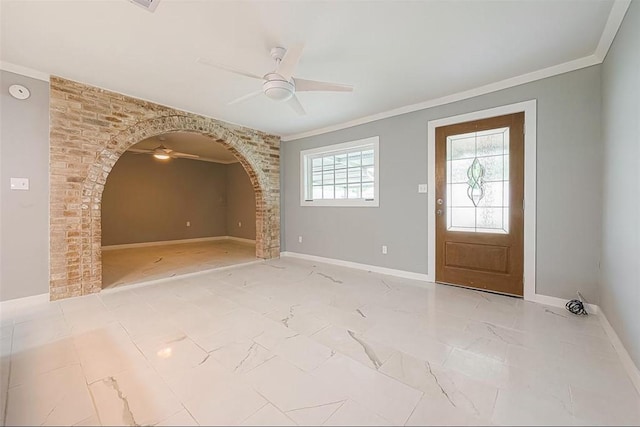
(90, 129)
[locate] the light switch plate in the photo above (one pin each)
(422, 188)
(19, 183)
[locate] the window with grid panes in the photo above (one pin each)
(341, 175)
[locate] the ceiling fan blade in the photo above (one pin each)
(227, 68)
(303, 85)
(290, 61)
(245, 97)
(185, 155)
(295, 104)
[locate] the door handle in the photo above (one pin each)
(439, 212)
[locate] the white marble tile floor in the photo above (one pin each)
(292, 342)
(127, 266)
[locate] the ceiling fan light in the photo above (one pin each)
(278, 90)
(162, 156)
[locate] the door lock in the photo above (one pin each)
(439, 201)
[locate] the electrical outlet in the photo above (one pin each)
(299, 239)
(422, 188)
(188, 223)
(19, 183)
(384, 249)
(239, 224)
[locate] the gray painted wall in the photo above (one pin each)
(24, 215)
(620, 280)
(150, 200)
(241, 203)
(568, 197)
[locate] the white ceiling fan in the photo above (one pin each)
(163, 153)
(279, 84)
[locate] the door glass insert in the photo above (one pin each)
(477, 182)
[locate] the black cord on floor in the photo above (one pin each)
(576, 307)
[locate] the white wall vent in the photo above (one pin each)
(150, 5)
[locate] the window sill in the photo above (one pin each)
(342, 203)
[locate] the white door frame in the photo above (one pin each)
(530, 120)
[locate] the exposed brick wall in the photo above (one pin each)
(90, 128)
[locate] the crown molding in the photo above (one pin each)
(616, 15)
(24, 71)
(565, 67)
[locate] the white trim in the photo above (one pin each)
(130, 286)
(559, 302)
(373, 268)
(24, 71)
(623, 354)
(19, 303)
(40, 75)
(565, 67)
(616, 15)
(241, 239)
(305, 186)
(529, 109)
(173, 242)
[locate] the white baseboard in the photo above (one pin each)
(19, 303)
(358, 266)
(559, 302)
(175, 242)
(628, 364)
(241, 239)
(623, 354)
(630, 367)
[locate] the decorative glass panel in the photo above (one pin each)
(477, 182)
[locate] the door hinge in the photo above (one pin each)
(522, 204)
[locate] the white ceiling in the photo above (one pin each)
(190, 143)
(396, 53)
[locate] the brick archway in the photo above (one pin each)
(90, 129)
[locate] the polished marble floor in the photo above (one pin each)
(134, 265)
(288, 342)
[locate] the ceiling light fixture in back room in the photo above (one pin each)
(163, 153)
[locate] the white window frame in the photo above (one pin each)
(305, 173)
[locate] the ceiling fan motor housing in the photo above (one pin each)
(278, 89)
